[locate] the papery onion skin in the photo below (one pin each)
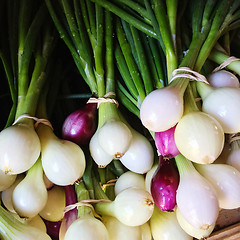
(19, 148)
(165, 143)
(164, 184)
(199, 137)
(162, 109)
(80, 125)
(192, 231)
(87, 228)
(129, 179)
(223, 104)
(164, 226)
(223, 78)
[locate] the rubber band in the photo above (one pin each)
(192, 75)
(37, 120)
(104, 99)
(225, 63)
(87, 203)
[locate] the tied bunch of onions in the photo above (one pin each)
(139, 157)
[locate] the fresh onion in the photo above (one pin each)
(80, 125)
(223, 104)
(162, 109)
(30, 196)
(233, 158)
(226, 181)
(164, 184)
(54, 207)
(19, 148)
(63, 161)
(139, 157)
(6, 195)
(148, 177)
(191, 230)
(114, 137)
(165, 143)
(129, 179)
(223, 78)
(132, 206)
(164, 226)
(119, 231)
(196, 198)
(87, 228)
(199, 137)
(6, 180)
(100, 157)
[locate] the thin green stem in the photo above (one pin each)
(110, 82)
(98, 54)
(141, 25)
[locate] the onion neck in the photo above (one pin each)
(184, 165)
(82, 194)
(107, 111)
(189, 101)
(203, 89)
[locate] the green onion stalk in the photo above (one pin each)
(88, 31)
(209, 21)
(24, 57)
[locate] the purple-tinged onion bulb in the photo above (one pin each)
(80, 125)
(164, 184)
(165, 143)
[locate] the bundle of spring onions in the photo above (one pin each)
(122, 118)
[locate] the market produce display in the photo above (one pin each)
(120, 119)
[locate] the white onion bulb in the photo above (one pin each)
(148, 177)
(54, 208)
(7, 194)
(197, 200)
(226, 181)
(132, 206)
(192, 231)
(164, 226)
(223, 104)
(223, 78)
(100, 157)
(6, 180)
(129, 179)
(19, 148)
(139, 156)
(199, 137)
(120, 231)
(30, 195)
(162, 109)
(114, 137)
(12, 228)
(234, 156)
(146, 231)
(63, 161)
(87, 228)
